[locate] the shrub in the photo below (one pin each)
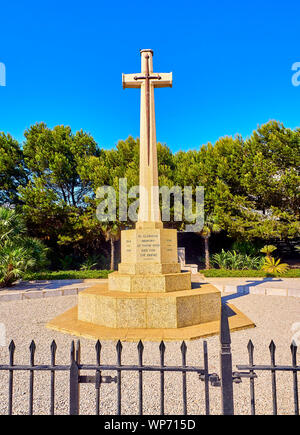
(66, 274)
(246, 247)
(274, 267)
(271, 265)
(233, 260)
(90, 263)
(18, 253)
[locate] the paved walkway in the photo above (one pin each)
(40, 289)
(264, 286)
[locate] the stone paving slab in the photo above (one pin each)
(258, 286)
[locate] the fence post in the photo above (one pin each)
(74, 380)
(226, 364)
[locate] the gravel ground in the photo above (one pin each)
(25, 320)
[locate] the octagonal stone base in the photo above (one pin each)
(68, 323)
(176, 309)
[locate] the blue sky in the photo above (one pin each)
(231, 64)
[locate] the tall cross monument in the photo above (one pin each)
(148, 297)
(149, 212)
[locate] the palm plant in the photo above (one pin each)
(268, 249)
(112, 233)
(14, 261)
(273, 266)
(210, 226)
(18, 253)
(11, 225)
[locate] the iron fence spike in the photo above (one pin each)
(12, 346)
(250, 348)
(294, 347)
(183, 347)
(140, 346)
(32, 349)
(32, 346)
(119, 346)
(78, 351)
(72, 353)
(98, 351)
(272, 347)
(250, 345)
(162, 346)
(53, 346)
(98, 346)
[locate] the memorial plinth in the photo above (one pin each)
(149, 291)
(148, 297)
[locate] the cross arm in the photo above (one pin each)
(165, 80)
(128, 81)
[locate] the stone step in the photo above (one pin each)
(149, 283)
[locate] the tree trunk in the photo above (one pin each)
(112, 254)
(206, 245)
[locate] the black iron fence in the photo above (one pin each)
(76, 376)
(251, 370)
(225, 380)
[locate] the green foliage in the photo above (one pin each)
(12, 170)
(18, 253)
(274, 267)
(68, 274)
(66, 262)
(226, 273)
(90, 263)
(246, 247)
(268, 249)
(235, 261)
(56, 199)
(271, 169)
(251, 186)
(271, 265)
(54, 157)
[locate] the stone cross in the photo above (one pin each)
(147, 80)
